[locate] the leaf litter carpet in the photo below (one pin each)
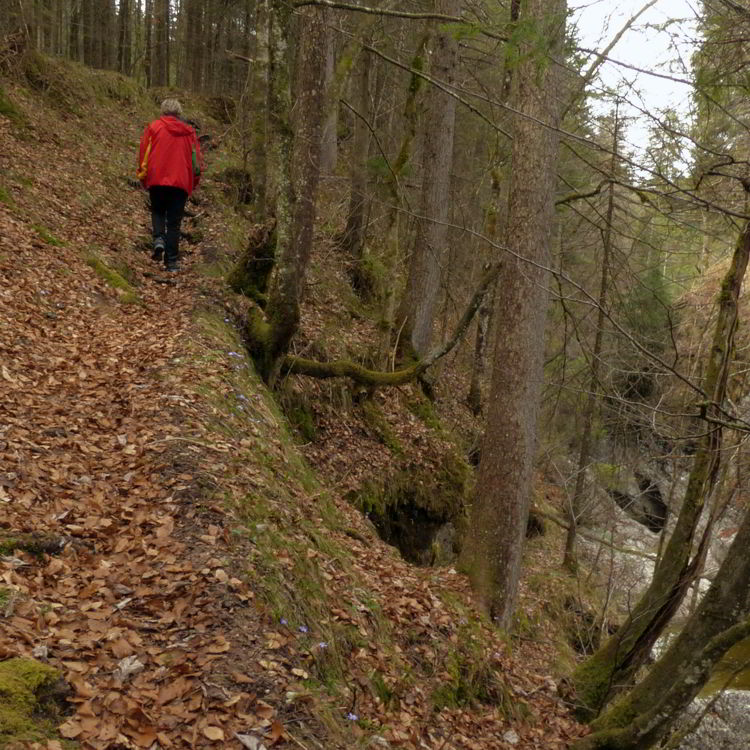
(88, 411)
(141, 606)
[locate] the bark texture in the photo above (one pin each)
(423, 284)
(354, 235)
(297, 163)
(500, 510)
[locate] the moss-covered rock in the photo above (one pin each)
(420, 510)
(27, 711)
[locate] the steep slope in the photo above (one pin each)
(164, 545)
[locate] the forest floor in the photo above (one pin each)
(138, 445)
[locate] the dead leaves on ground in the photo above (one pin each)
(142, 610)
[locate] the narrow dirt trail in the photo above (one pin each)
(92, 412)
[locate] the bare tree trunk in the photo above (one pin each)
(394, 218)
(124, 38)
(161, 58)
(353, 238)
(329, 146)
(484, 315)
(423, 284)
(193, 32)
(261, 86)
(500, 510)
(148, 22)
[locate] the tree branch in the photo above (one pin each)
(381, 11)
(570, 197)
(374, 378)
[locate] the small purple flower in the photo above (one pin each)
(235, 354)
(322, 645)
(226, 320)
(283, 621)
(352, 717)
(303, 629)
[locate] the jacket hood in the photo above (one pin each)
(176, 127)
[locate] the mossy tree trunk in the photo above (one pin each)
(612, 667)
(500, 510)
(296, 157)
(418, 306)
(644, 716)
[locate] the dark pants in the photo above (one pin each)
(167, 208)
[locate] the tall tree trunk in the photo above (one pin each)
(612, 667)
(502, 498)
(193, 32)
(161, 56)
(395, 196)
(297, 161)
(484, 314)
(329, 145)
(89, 32)
(148, 59)
(75, 36)
(124, 38)
(261, 128)
(423, 284)
(353, 238)
(576, 506)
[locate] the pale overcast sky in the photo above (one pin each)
(662, 41)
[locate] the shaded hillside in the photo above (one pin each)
(196, 579)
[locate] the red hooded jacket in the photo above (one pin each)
(170, 155)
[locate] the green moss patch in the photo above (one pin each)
(28, 710)
(6, 197)
(298, 410)
(47, 236)
(128, 295)
(8, 109)
(419, 510)
(376, 420)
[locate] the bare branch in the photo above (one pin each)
(381, 11)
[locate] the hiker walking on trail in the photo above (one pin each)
(169, 166)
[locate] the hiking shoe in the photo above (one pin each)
(158, 252)
(173, 267)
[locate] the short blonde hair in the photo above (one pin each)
(171, 107)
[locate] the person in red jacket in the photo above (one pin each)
(169, 167)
